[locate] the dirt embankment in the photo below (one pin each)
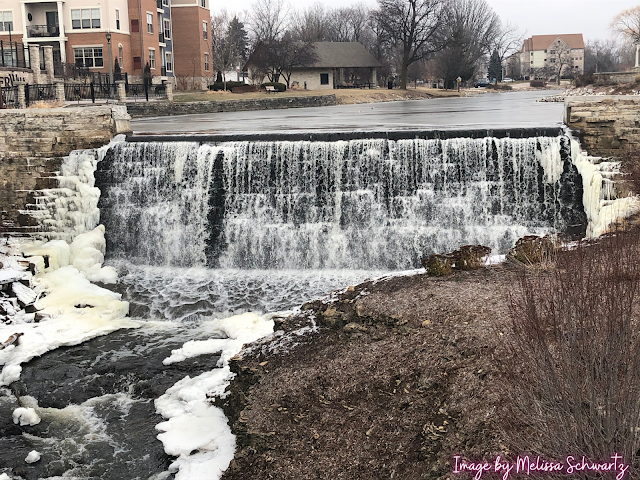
(400, 375)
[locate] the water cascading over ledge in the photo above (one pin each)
(362, 203)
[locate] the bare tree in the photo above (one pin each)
(312, 24)
(627, 23)
(470, 30)
(507, 42)
(601, 56)
(224, 53)
(413, 27)
(560, 58)
(268, 20)
(279, 58)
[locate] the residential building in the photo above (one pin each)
(192, 43)
(77, 30)
(542, 55)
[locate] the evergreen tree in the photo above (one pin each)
(238, 38)
(495, 67)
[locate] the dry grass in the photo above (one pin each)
(344, 96)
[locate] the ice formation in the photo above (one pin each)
(25, 416)
(600, 206)
(32, 457)
(73, 309)
(193, 425)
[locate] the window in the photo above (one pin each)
(553, 60)
(135, 25)
(89, 57)
(168, 61)
(120, 56)
(85, 18)
(552, 52)
(165, 3)
(117, 19)
(324, 79)
(152, 59)
(167, 28)
(204, 30)
(206, 62)
(149, 22)
(6, 21)
(203, 3)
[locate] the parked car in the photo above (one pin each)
(507, 79)
(482, 82)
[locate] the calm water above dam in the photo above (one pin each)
(484, 111)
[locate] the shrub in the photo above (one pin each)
(468, 257)
(537, 83)
(245, 89)
(573, 363)
(532, 249)
(280, 87)
(217, 86)
(584, 80)
(438, 265)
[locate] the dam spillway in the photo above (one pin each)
(328, 203)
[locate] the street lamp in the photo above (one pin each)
(108, 35)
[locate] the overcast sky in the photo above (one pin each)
(535, 17)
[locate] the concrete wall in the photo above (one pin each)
(157, 109)
(32, 144)
(605, 124)
(312, 77)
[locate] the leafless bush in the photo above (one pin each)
(575, 354)
(532, 249)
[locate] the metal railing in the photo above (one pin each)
(146, 91)
(14, 54)
(34, 31)
(9, 97)
(39, 93)
(78, 91)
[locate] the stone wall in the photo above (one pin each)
(604, 124)
(158, 109)
(32, 145)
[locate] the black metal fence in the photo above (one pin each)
(14, 54)
(9, 97)
(39, 93)
(146, 91)
(81, 91)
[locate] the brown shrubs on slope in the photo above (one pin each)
(575, 354)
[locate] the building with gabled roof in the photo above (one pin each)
(337, 64)
(540, 54)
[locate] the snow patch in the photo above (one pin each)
(25, 416)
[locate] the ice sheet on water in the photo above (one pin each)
(193, 425)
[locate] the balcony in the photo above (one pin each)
(36, 31)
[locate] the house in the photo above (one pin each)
(82, 32)
(542, 55)
(337, 64)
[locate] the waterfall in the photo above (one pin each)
(366, 204)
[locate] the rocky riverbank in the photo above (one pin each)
(387, 379)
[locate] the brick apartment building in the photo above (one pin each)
(140, 32)
(192, 46)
